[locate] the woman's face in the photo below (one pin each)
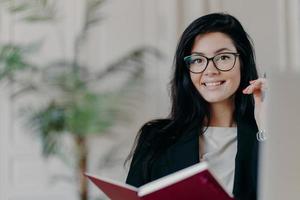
(215, 85)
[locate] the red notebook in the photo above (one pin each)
(193, 183)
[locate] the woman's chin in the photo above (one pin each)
(215, 99)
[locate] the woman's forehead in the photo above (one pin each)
(212, 43)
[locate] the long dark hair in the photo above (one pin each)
(189, 110)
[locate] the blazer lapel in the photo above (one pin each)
(184, 153)
(246, 161)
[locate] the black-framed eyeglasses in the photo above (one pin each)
(197, 63)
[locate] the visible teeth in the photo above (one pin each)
(213, 84)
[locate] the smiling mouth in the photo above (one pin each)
(213, 83)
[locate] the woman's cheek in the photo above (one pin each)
(196, 80)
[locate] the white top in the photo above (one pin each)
(220, 148)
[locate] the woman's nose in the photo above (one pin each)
(211, 68)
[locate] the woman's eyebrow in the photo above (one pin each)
(223, 49)
(217, 51)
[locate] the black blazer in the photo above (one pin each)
(185, 152)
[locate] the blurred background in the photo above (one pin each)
(78, 78)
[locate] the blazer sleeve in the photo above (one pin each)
(137, 175)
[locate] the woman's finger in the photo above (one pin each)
(253, 87)
(258, 81)
(258, 84)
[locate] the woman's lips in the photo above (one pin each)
(213, 84)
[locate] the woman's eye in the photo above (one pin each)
(224, 57)
(197, 61)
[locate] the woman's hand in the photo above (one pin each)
(258, 88)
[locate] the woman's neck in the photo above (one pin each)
(222, 114)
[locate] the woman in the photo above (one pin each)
(214, 117)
